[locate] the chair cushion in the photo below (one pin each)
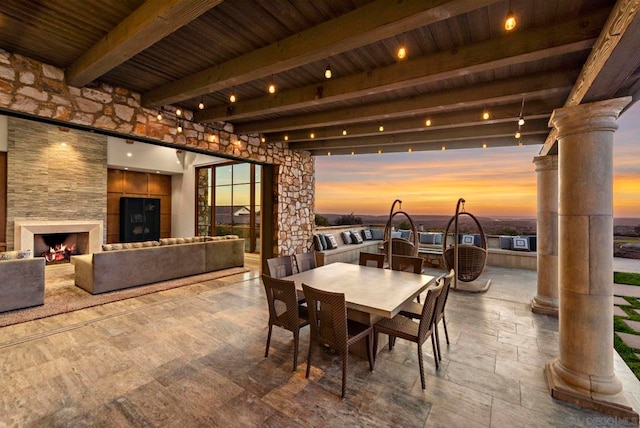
(356, 238)
(346, 237)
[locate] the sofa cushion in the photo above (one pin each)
(346, 237)
(506, 242)
(356, 238)
(377, 234)
(15, 255)
(396, 234)
(366, 235)
(406, 234)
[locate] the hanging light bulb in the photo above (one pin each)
(201, 104)
(178, 111)
(484, 145)
(344, 132)
(352, 153)
(485, 114)
(520, 144)
(444, 148)
(379, 152)
(312, 135)
(517, 134)
(410, 150)
(521, 118)
(510, 21)
(263, 140)
(327, 72)
(272, 86)
(328, 153)
(380, 128)
(159, 116)
(402, 52)
(179, 126)
(427, 122)
(232, 96)
(286, 137)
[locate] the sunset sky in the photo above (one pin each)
(494, 181)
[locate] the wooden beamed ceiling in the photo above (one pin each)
(461, 62)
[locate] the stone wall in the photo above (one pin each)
(38, 89)
(50, 181)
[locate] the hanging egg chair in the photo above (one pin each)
(471, 258)
(399, 246)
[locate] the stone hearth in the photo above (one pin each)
(25, 230)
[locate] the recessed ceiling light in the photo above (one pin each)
(129, 155)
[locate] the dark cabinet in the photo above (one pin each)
(139, 219)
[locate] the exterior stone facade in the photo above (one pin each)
(30, 87)
(49, 181)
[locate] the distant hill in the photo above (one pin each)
(491, 225)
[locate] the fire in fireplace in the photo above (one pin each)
(56, 247)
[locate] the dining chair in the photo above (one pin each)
(407, 264)
(279, 267)
(405, 328)
(414, 310)
(284, 311)
(305, 261)
(372, 259)
(331, 328)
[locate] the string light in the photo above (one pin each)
(327, 72)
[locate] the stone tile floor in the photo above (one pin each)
(194, 356)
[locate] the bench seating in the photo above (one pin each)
(347, 253)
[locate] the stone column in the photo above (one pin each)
(583, 374)
(546, 300)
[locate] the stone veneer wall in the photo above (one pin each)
(48, 181)
(31, 87)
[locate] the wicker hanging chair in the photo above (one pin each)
(471, 258)
(400, 246)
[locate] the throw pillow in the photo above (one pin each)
(506, 242)
(377, 234)
(323, 240)
(331, 241)
(467, 239)
(396, 234)
(405, 234)
(520, 244)
(356, 238)
(366, 235)
(346, 237)
(426, 238)
(317, 243)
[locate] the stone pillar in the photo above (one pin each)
(546, 300)
(583, 374)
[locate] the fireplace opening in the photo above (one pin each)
(59, 247)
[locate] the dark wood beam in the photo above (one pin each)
(373, 22)
(474, 143)
(622, 17)
(534, 109)
(535, 44)
(148, 24)
(486, 132)
(476, 96)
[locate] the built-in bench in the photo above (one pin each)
(347, 253)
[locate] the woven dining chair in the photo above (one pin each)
(284, 311)
(305, 261)
(405, 328)
(279, 267)
(407, 264)
(371, 259)
(414, 310)
(330, 327)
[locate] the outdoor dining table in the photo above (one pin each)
(370, 293)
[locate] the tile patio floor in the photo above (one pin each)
(194, 356)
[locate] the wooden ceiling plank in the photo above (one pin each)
(536, 44)
(498, 92)
(151, 22)
(487, 131)
(373, 22)
(453, 119)
(473, 143)
(621, 18)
